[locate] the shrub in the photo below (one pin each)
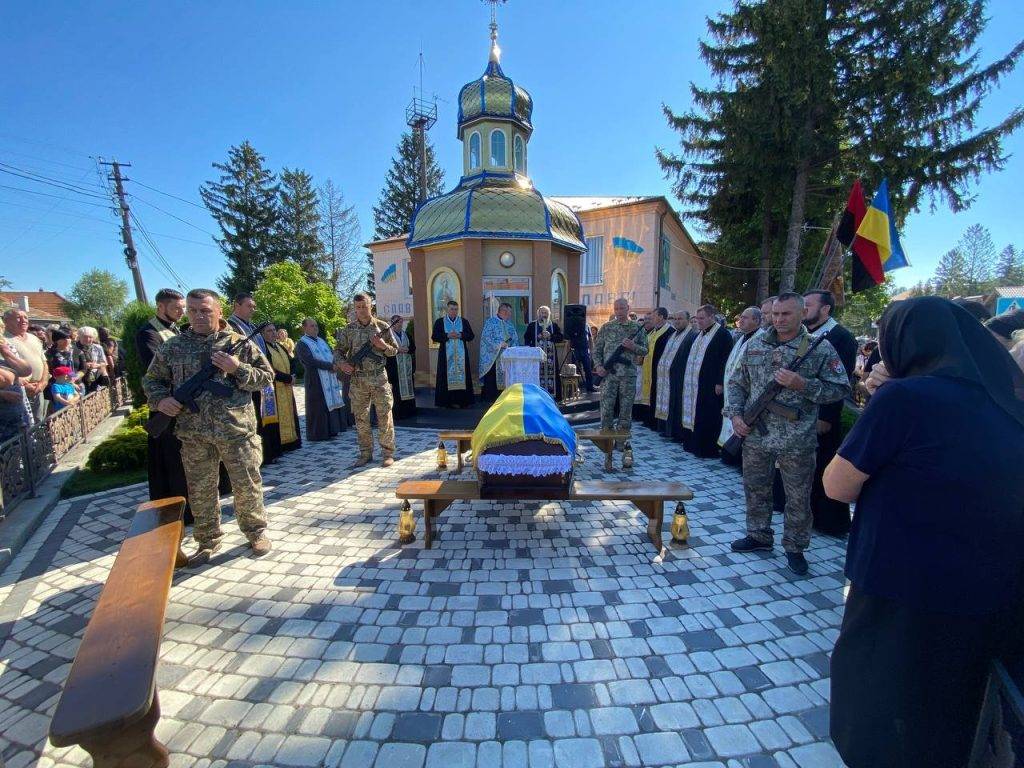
(848, 419)
(136, 418)
(125, 449)
(134, 317)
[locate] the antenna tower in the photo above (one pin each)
(421, 115)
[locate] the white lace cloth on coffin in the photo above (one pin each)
(534, 466)
(522, 365)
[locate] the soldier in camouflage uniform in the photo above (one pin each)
(775, 440)
(224, 429)
(620, 383)
(369, 385)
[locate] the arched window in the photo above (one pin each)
(559, 295)
(519, 153)
(498, 148)
(474, 150)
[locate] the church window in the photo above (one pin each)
(519, 153)
(497, 148)
(474, 150)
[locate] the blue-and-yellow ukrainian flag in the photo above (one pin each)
(879, 227)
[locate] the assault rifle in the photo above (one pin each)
(766, 402)
(201, 381)
(361, 353)
(620, 355)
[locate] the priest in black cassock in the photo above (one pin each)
(325, 409)
(831, 517)
(401, 369)
(704, 385)
(669, 406)
(658, 349)
(545, 333)
(453, 387)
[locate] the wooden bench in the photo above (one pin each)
(649, 498)
(605, 441)
(109, 705)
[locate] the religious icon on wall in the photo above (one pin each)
(443, 286)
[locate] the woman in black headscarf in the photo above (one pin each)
(935, 551)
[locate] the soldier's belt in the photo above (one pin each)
(784, 411)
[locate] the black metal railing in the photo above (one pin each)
(30, 456)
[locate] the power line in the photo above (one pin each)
(48, 194)
(168, 194)
(39, 179)
(156, 249)
(43, 160)
(168, 213)
(53, 211)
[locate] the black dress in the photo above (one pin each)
(443, 397)
(659, 349)
(672, 426)
(321, 423)
(530, 340)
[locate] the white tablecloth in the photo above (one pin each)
(522, 365)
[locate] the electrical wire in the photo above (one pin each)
(173, 216)
(39, 179)
(38, 159)
(59, 197)
(168, 194)
(156, 249)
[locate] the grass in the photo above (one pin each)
(86, 481)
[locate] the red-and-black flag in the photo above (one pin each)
(867, 264)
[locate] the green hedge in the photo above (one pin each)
(125, 449)
(136, 418)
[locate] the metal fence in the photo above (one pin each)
(30, 456)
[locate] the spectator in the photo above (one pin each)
(1005, 325)
(40, 333)
(112, 349)
(30, 349)
(975, 308)
(934, 557)
(93, 360)
(14, 409)
(63, 391)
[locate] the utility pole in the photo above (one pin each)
(131, 255)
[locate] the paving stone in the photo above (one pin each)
(732, 740)
(660, 748)
(613, 721)
(578, 753)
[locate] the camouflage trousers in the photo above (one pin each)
(621, 387)
(797, 470)
(201, 456)
(363, 392)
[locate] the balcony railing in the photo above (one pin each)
(30, 456)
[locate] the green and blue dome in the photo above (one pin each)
(494, 95)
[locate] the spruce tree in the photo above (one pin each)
(392, 215)
(979, 254)
(299, 223)
(244, 203)
(1009, 269)
(951, 278)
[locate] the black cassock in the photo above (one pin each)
(647, 415)
(672, 427)
(321, 424)
(702, 440)
(402, 409)
(443, 398)
(530, 340)
(832, 517)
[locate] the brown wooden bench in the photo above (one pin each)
(649, 498)
(605, 441)
(109, 705)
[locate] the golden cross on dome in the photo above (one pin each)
(495, 49)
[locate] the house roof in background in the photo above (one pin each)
(1010, 292)
(45, 305)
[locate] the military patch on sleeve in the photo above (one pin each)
(835, 365)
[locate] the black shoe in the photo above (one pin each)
(797, 562)
(747, 544)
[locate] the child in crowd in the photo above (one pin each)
(63, 388)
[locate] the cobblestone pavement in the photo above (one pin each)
(530, 635)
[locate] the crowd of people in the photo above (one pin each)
(46, 369)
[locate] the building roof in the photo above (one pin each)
(44, 305)
(384, 241)
(495, 207)
(1010, 292)
(582, 204)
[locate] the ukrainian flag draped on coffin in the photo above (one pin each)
(523, 412)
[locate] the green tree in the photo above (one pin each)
(951, 276)
(979, 254)
(135, 315)
(863, 309)
(299, 224)
(285, 297)
(1009, 269)
(392, 215)
(339, 232)
(97, 298)
(244, 201)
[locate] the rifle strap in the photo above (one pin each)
(805, 342)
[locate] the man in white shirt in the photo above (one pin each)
(29, 349)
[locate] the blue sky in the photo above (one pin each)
(324, 86)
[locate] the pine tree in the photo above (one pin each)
(244, 203)
(979, 254)
(339, 232)
(392, 215)
(951, 277)
(371, 280)
(299, 224)
(1009, 269)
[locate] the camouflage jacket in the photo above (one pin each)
(228, 418)
(823, 372)
(614, 333)
(351, 339)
